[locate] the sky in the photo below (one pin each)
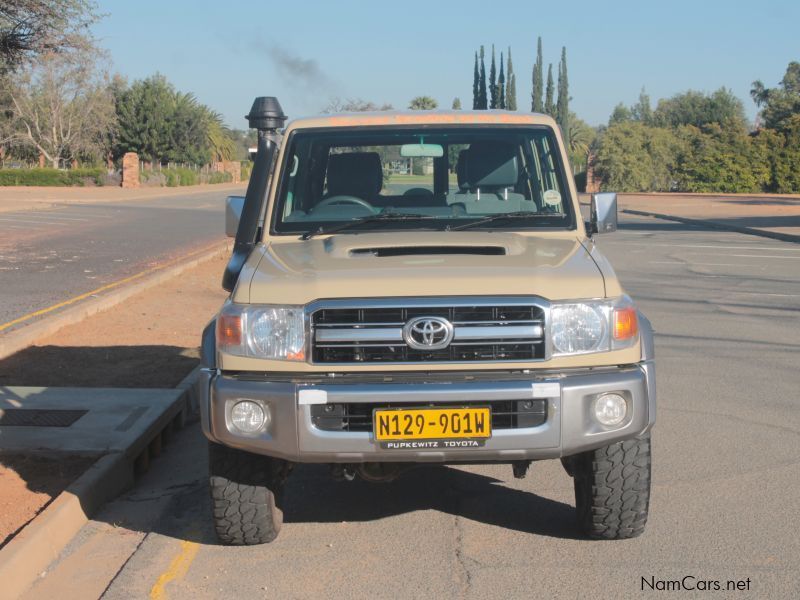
(307, 52)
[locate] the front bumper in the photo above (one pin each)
(290, 434)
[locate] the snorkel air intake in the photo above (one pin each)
(266, 116)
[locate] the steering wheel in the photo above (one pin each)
(344, 199)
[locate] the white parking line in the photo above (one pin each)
(51, 216)
(27, 221)
(693, 263)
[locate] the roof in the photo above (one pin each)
(422, 117)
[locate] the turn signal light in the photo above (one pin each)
(229, 330)
(626, 325)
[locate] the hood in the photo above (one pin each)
(458, 263)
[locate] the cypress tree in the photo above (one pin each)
(501, 86)
(482, 84)
(549, 106)
(456, 103)
(511, 85)
(476, 91)
(492, 83)
(538, 80)
(562, 106)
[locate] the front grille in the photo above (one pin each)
(482, 333)
(506, 414)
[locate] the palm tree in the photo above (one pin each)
(581, 136)
(219, 136)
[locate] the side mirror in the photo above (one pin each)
(604, 213)
(233, 212)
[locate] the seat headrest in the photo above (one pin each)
(491, 164)
(355, 174)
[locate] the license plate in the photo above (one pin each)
(420, 428)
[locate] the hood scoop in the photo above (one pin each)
(384, 251)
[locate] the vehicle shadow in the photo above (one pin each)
(451, 490)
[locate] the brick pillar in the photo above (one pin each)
(130, 170)
(234, 167)
(592, 183)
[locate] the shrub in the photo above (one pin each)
(218, 177)
(247, 167)
(52, 177)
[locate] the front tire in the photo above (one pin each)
(246, 495)
(612, 489)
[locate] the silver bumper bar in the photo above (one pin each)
(290, 434)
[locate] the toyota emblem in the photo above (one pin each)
(428, 333)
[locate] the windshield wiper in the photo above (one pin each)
(499, 216)
(370, 219)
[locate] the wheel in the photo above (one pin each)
(246, 495)
(612, 489)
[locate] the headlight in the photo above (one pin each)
(258, 331)
(593, 326)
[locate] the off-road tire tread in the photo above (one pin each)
(612, 489)
(246, 495)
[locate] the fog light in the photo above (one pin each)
(247, 416)
(610, 409)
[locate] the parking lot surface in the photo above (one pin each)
(724, 507)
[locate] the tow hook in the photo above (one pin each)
(342, 472)
(520, 468)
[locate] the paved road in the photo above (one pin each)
(725, 497)
(48, 256)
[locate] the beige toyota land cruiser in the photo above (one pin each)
(411, 288)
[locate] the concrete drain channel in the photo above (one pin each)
(38, 417)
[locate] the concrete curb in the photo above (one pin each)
(41, 541)
(21, 338)
(775, 235)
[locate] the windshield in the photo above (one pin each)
(420, 178)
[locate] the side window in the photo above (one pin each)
(549, 195)
(289, 205)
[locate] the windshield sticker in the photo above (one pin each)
(552, 198)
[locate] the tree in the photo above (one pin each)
(61, 106)
(720, 159)
(698, 109)
(781, 152)
(145, 111)
(476, 90)
(581, 136)
(562, 104)
(456, 103)
(423, 103)
(337, 105)
(779, 105)
(632, 157)
(621, 114)
(493, 83)
(482, 103)
(641, 111)
(511, 85)
(549, 106)
(501, 86)
(162, 124)
(536, 95)
(32, 28)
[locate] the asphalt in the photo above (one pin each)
(51, 255)
(725, 495)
